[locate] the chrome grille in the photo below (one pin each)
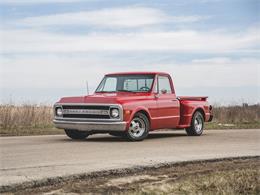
(87, 112)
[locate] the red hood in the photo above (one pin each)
(107, 98)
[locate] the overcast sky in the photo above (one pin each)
(49, 48)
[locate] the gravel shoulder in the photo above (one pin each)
(220, 176)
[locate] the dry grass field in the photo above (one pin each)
(236, 117)
(29, 119)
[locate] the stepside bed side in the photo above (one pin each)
(189, 105)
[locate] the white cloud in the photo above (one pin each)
(72, 72)
(220, 72)
(110, 17)
(30, 41)
(68, 74)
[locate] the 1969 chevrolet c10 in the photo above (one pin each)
(131, 105)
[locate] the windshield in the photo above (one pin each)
(126, 83)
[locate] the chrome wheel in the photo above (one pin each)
(198, 124)
(137, 127)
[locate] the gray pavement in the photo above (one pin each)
(31, 158)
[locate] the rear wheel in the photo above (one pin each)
(139, 128)
(197, 125)
(75, 134)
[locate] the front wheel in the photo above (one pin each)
(197, 125)
(139, 128)
(75, 134)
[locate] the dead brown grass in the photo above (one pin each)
(235, 117)
(228, 182)
(25, 116)
(237, 114)
(37, 119)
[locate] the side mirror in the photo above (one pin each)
(163, 91)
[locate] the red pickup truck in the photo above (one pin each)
(131, 105)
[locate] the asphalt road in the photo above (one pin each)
(31, 158)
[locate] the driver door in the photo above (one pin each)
(168, 112)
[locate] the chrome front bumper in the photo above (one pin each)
(90, 126)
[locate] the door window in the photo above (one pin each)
(164, 85)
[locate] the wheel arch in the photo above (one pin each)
(146, 114)
(201, 110)
(143, 111)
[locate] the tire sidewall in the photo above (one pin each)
(147, 128)
(197, 114)
(75, 134)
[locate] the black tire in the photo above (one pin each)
(197, 125)
(117, 134)
(139, 120)
(75, 134)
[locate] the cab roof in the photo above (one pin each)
(136, 73)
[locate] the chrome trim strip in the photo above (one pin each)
(87, 119)
(165, 117)
(90, 126)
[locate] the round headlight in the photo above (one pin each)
(59, 112)
(115, 113)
